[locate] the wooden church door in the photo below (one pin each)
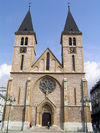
(45, 118)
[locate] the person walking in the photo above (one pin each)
(99, 128)
(30, 124)
(95, 128)
(48, 124)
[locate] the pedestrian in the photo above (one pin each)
(95, 129)
(48, 124)
(30, 124)
(99, 128)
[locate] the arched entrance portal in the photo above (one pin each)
(46, 114)
(46, 111)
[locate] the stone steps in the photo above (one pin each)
(45, 129)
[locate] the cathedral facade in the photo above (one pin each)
(47, 90)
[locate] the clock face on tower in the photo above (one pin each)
(72, 50)
(47, 85)
(23, 50)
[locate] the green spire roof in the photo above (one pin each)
(70, 25)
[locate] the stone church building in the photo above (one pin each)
(47, 90)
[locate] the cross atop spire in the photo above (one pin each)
(68, 6)
(29, 5)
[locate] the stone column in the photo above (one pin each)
(37, 119)
(65, 92)
(54, 122)
(85, 87)
(28, 91)
(85, 94)
(87, 108)
(9, 87)
(65, 101)
(9, 93)
(28, 108)
(41, 119)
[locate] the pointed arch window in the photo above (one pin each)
(22, 40)
(47, 61)
(70, 41)
(74, 41)
(22, 61)
(73, 62)
(26, 41)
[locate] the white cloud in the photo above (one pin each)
(4, 74)
(92, 70)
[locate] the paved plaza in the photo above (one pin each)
(42, 130)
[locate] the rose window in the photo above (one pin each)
(47, 85)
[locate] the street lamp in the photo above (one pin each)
(84, 101)
(10, 101)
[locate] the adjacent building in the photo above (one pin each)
(2, 100)
(47, 90)
(95, 102)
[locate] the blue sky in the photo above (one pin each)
(48, 17)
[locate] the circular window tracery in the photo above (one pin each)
(47, 85)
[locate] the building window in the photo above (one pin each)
(74, 41)
(73, 62)
(47, 61)
(26, 41)
(22, 61)
(70, 41)
(22, 41)
(75, 95)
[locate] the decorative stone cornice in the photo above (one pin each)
(47, 72)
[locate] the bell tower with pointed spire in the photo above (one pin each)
(75, 84)
(72, 50)
(25, 46)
